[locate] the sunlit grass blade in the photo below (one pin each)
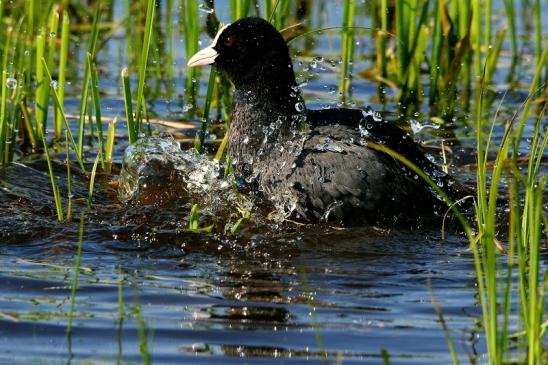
(199, 142)
(143, 61)
(27, 124)
(64, 119)
(3, 118)
(97, 108)
(381, 39)
(222, 146)
(347, 42)
(54, 186)
(194, 221)
(41, 94)
(92, 180)
(493, 56)
(63, 57)
(86, 80)
(130, 121)
(239, 8)
(14, 118)
(52, 36)
(190, 26)
(509, 6)
(69, 180)
(111, 134)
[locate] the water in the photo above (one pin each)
(259, 298)
(271, 294)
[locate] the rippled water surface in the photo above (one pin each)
(271, 294)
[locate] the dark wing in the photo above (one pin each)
(379, 130)
(336, 178)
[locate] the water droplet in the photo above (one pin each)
(52, 34)
(299, 107)
(11, 83)
(206, 9)
(54, 84)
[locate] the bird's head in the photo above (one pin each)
(251, 52)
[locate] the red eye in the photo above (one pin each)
(229, 41)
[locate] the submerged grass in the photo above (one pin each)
(76, 273)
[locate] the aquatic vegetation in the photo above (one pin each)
(449, 61)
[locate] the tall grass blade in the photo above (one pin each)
(143, 338)
(111, 134)
(97, 108)
(347, 42)
(76, 272)
(199, 142)
(130, 120)
(143, 61)
(92, 180)
(41, 93)
(69, 179)
(86, 80)
(63, 56)
(3, 117)
(64, 118)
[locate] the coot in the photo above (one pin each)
(313, 164)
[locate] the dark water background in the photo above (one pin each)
(268, 295)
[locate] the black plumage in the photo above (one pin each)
(313, 164)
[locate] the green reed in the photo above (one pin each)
(239, 8)
(92, 179)
(381, 39)
(200, 137)
(109, 149)
(524, 231)
(412, 32)
(347, 49)
(75, 277)
(76, 147)
(121, 315)
(130, 121)
(194, 221)
(54, 186)
(97, 109)
(189, 19)
(143, 62)
(143, 336)
(276, 12)
(69, 180)
(40, 95)
(63, 58)
(510, 7)
(87, 76)
(3, 118)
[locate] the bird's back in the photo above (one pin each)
(334, 177)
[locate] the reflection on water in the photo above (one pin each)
(269, 294)
(265, 295)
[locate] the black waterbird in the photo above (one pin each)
(314, 164)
